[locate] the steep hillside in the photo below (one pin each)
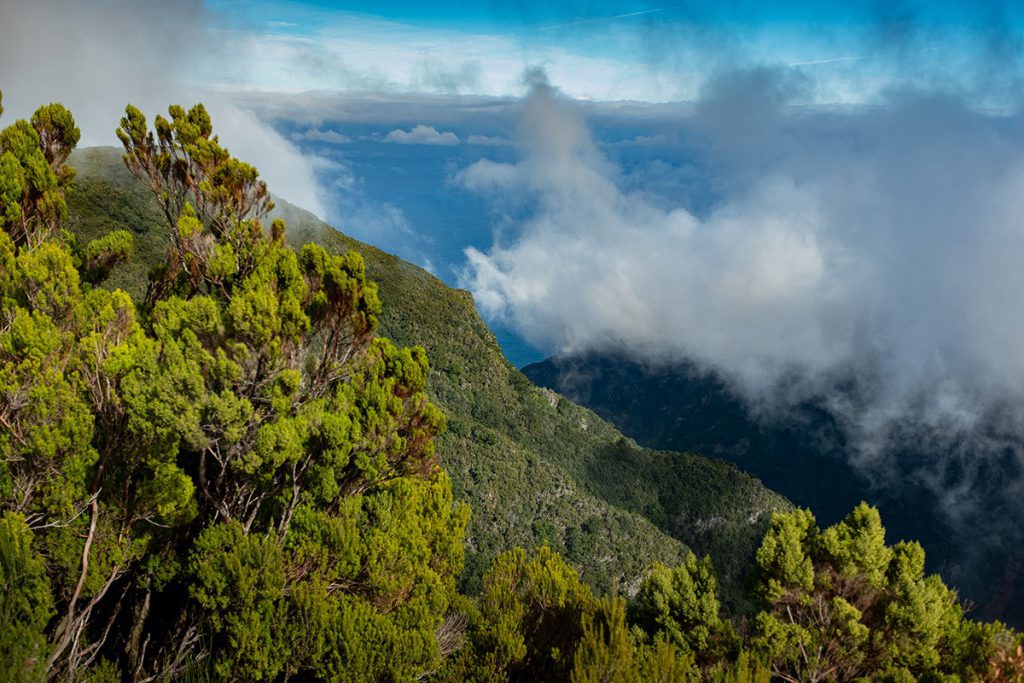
(678, 407)
(534, 466)
(803, 456)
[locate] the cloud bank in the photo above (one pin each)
(868, 259)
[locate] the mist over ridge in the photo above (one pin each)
(866, 259)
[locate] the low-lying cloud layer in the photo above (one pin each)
(869, 258)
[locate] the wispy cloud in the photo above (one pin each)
(487, 140)
(97, 57)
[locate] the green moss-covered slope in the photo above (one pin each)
(534, 466)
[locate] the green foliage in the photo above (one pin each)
(184, 163)
(58, 136)
(243, 452)
(26, 606)
(844, 605)
(746, 669)
(833, 611)
(857, 546)
(101, 255)
(33, 177)
(532, 606)
(536, 621)
(681, 606)
(608, 651)
(784, 555)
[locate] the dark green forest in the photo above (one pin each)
(215, 464)
(805, 455)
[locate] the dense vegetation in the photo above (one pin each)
(237, 467)
(836, 605)
(804, 453)
(534, 467)
(233, 477)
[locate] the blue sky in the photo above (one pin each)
(644, 51)
(500, 15)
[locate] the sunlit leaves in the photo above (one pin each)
(248, 392)
(680, 604)
(842, 604)
(33, 176)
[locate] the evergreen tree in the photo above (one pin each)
(533, 608)
(610, 652)
(605, 653)
(27, 603)
(241, 471)
(842, 605)
(680, 605)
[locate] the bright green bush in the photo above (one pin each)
(237, 471)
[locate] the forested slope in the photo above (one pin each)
(804, 455)
(534, 466)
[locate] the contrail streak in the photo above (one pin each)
(627, 15)
(552, 27)
(827, 61)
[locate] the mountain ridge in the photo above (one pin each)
(535, 467)
(803, 456)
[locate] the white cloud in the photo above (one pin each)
(866, 258)
(331, 137)
(487, 140)
(422, 135)
(97, 58)
(359, 53)
(287, 171)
